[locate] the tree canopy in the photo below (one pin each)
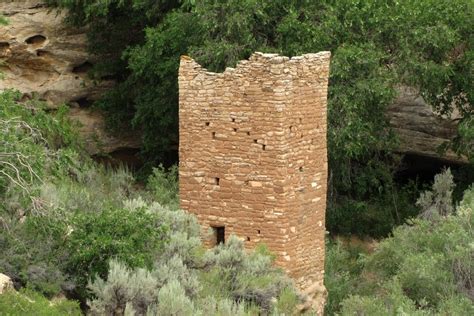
(376, 46)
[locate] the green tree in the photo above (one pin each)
(134, 237)
(376, 46)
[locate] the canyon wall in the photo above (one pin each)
(421, 131)
(42, 57)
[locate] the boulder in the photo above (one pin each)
(5, 283)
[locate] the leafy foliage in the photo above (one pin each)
(26, 133)
(164, 185)
(70, 218)
(439, 201)
(28, 302)
(133, 237)
(188, 279)
(176, 288)
(376, 46)
(425, 268)
(373, 216)
(342, 270)
(44, 180)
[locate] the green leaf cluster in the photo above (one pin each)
(424, 268)
(33, 145)
(163, 184)
(133, 237)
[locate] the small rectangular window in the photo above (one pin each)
(219, 234)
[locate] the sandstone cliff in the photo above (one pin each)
(421, 131)
(42, 57)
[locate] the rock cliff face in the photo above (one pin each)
(420, 130)
(42, 57)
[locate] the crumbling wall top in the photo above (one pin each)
(263, 58)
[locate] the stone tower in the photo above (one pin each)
(253, 156)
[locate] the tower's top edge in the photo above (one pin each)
(260, 57)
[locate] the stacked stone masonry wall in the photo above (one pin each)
(253, 155)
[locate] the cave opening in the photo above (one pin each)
(4, 46)
(84, 102)
(35, 40)
(82, 68)
(422, 170)
(41, 53)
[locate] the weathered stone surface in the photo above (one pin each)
(5, 283)
(40, 55)
(420, 130)
(94, 132)
(253, 157)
